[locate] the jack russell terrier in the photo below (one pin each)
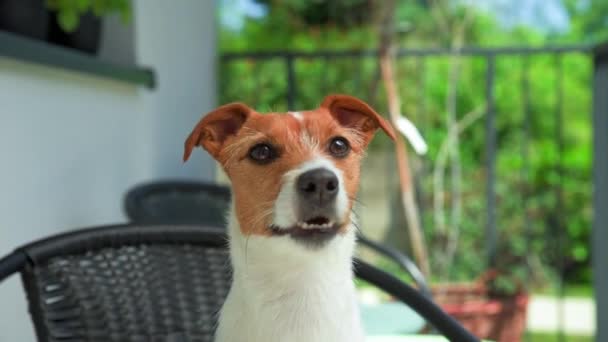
(294, 179)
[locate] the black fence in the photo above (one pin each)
(289, 70)
(600, 181)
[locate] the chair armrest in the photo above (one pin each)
(424, 306)
(12, 263)
(402, 260)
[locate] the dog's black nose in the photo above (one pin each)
(319, 186)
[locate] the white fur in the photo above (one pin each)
(309, 141)
(297, 115)
(283, 291)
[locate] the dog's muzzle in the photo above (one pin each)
(316, 192)
(318, 204)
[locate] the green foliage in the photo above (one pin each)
(70, 11)
(539, 235)
(589, 22)
(306, 13)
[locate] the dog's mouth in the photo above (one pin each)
(319, 222)
(317, 228)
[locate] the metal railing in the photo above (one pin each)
(600, 197)
(290, 99)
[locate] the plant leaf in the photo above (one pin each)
(68, 20)
(83, 5)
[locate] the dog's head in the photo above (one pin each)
(293, 174)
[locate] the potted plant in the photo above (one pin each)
(77, 23)
(495, 306)
(24, 17)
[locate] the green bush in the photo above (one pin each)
(540, 233)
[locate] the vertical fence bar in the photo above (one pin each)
(356, 64)
(599, 234)
(558, 227)
(421, 68)
(491, 236)
(257, 66)
(525, 148)
(291, 82)
(325, 76)
(525, 152)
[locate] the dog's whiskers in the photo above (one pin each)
(261, 218)
(354, 199)
(357, 228)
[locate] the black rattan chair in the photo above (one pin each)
(124, 283)
(191, 202)
(173, 202)
(150, 283)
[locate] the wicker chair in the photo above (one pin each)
(150, 283)
(178, 202)
(170, 202)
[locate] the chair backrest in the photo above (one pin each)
(127, 283)
(183, 202)
(163, 283)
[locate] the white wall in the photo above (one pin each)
(70, 145)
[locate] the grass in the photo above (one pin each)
(552, 337)
(570, 290)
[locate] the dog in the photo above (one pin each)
(294, 180)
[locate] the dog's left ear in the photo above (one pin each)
(353, 113)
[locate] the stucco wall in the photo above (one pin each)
(70, 145)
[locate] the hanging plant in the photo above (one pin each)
(69, 12)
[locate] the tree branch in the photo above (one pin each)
(405, 176)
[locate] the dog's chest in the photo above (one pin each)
(284, 293)
(318, 313)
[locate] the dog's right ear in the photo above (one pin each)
(213, 129)
(351, 112)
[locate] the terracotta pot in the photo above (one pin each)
(502, 319)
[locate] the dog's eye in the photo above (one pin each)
(262, 153)
(339, 147)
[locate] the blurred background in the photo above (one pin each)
(489, 188)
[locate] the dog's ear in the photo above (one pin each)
(213, 129)
(353, 113)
